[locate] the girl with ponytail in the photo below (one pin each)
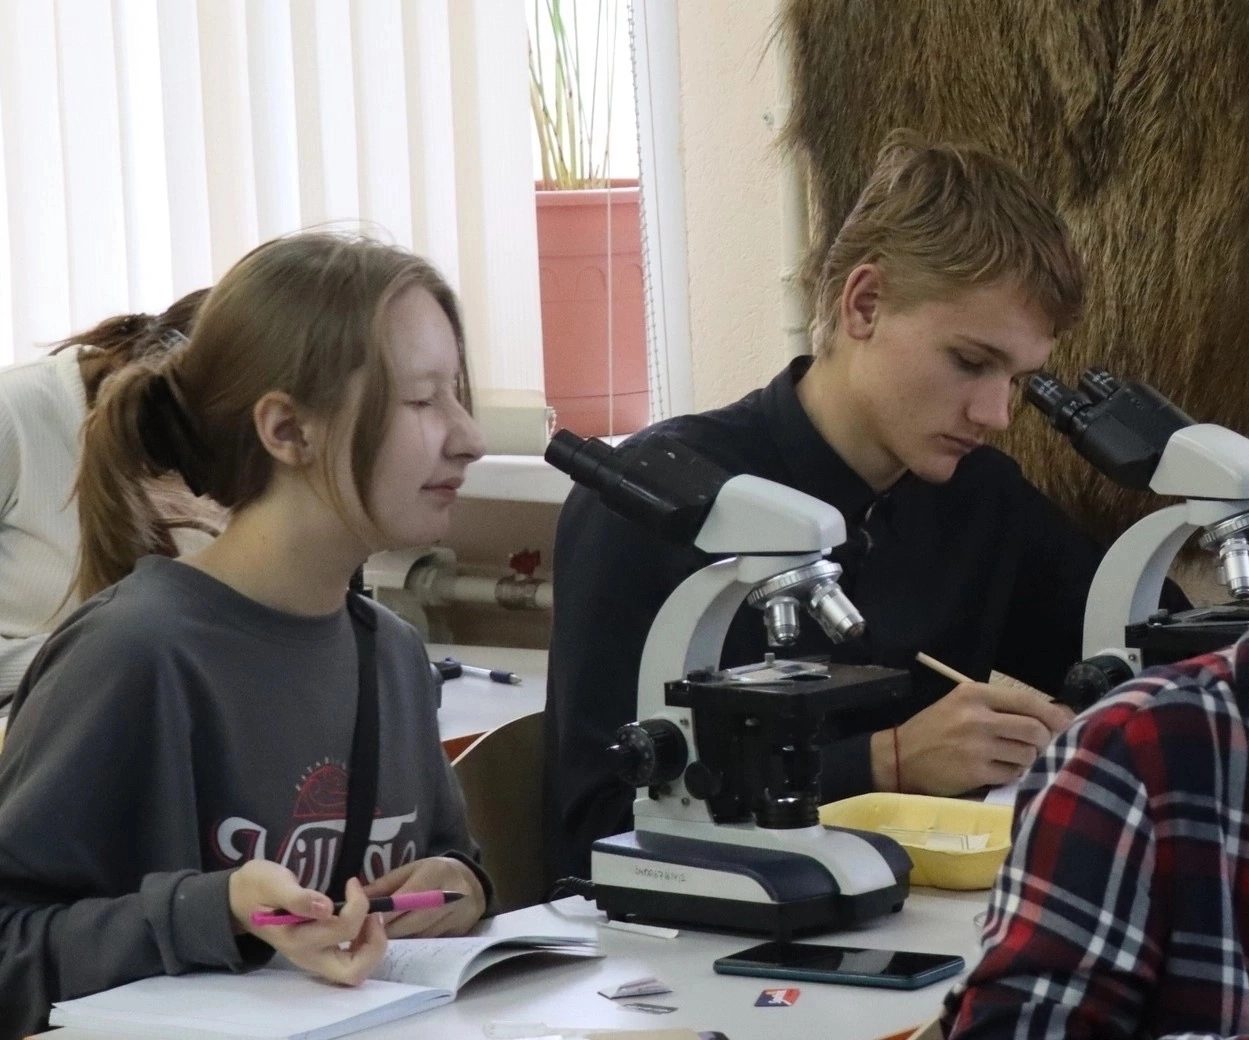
(233, 731)
(42, 406)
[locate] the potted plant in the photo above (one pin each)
(589, 230)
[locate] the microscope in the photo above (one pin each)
(1140, 440)
(727, 833)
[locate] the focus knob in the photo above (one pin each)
(1088, 681)
(649, 752)
(702, 781)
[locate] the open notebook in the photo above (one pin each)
(283, 1003)
(447, 964)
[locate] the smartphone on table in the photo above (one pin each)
(813, 962)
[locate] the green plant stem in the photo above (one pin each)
(565, 105)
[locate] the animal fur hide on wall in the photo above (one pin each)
(1132, 116)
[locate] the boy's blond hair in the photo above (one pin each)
(940, 218)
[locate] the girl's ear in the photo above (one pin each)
(285, 431)
(860, 301)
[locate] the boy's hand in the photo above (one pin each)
(977, 735)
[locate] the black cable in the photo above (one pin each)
(570, 886)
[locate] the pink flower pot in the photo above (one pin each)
(591, 396)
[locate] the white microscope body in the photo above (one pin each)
(680, 864)
(1139, 439)
(1208, 466)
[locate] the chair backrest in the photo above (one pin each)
(501, 775)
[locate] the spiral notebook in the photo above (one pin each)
(283, 1003)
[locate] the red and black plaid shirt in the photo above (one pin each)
(1123, 906)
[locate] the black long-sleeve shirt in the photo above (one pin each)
(983, 572)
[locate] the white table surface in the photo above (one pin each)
(564, 994)
(472, 705)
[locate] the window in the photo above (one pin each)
(146, 144)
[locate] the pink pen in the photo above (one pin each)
(381, 905)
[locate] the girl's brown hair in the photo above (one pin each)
(943, 218)
(116, 342)
(299, 314)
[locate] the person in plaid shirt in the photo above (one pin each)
(1122, 908)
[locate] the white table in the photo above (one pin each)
(564, 994)
(471, 706)
(567, 994)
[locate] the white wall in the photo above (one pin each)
(729, 91)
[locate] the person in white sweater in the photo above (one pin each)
(42, 407)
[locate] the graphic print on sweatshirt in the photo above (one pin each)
(309, 848)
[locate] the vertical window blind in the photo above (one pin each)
(147, 144)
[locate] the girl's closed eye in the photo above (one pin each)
(422, 395)
(430, 394)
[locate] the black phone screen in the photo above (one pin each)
(841, 963)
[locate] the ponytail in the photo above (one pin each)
(137, 432)
(115, 342)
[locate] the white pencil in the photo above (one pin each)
(954, 675)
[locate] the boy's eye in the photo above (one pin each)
(967, 363)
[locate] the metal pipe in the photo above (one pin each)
(509, 592)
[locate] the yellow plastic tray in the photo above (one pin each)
(917, 820)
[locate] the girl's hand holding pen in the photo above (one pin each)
(342, 947)
(436, 872)
(377, 905)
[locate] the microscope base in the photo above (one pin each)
(662, 879)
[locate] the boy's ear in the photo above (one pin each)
(284, 429)
(860, 301)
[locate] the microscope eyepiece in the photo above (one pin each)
(1045, 392)
(579, 457)
(657, 482)
(1121, 428)
(1098, 385)
(1055, 400)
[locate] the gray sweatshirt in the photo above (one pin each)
(170, 730)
